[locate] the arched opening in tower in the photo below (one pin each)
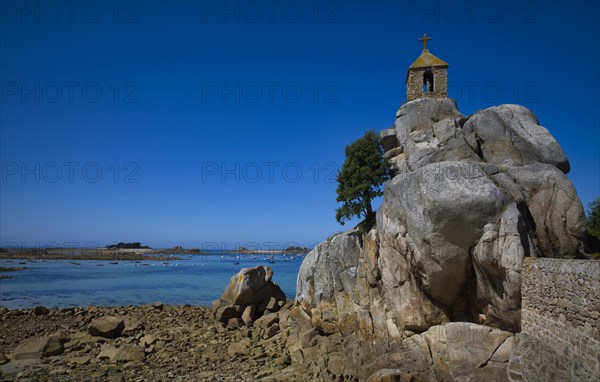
(428, 82)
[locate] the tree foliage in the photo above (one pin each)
(593, 231)
(593, 220)
(135, 245)
(361, 179)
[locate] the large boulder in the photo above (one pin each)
(497, 260)
(510, 135)
(428, 130)
(435, 205)
(250, 294)
(251, 286)
(552, 203)
(330, 267)
(422, 114)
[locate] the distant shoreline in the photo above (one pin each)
(95, 254)
(266, 251)
(83, 254)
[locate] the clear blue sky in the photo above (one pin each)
(226, 123)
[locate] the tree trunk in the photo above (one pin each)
(369, 208)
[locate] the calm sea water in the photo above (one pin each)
(196, 280)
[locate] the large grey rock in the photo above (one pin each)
(428, 131)
(436, 206)
(251, 286)
(328, 274)
(250, 291)
(555, 208)
(444, 141)
(510, 135)
(330, 267)
(497, 260)
(422, 114)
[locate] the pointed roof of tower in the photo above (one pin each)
(426, 60)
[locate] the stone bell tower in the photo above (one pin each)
(427, 77)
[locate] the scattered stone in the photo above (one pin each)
(115, 378)
(131, 324)
(271, 331)
(283, 360)
(81, 360)
(235, 322)
(248, 315)
(108, 352)
(37, 347)
(129, 353)
(272, 305)
(225, 313)
(40, 310)
(266, 321)
(240, 347)
(107, 327)
(148, 340)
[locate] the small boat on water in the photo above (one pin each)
(237, 261)
(75, 263)
(145, 264)
(114, 262)
(22, 262)
(99, 265)
(165, 263)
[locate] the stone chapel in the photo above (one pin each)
(427, 77)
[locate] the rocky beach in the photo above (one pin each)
(153, 342)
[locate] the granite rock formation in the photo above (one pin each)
(473, 195)
(249, 295)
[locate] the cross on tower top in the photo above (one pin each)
(424, 39)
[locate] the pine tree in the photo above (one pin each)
(361, 179)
